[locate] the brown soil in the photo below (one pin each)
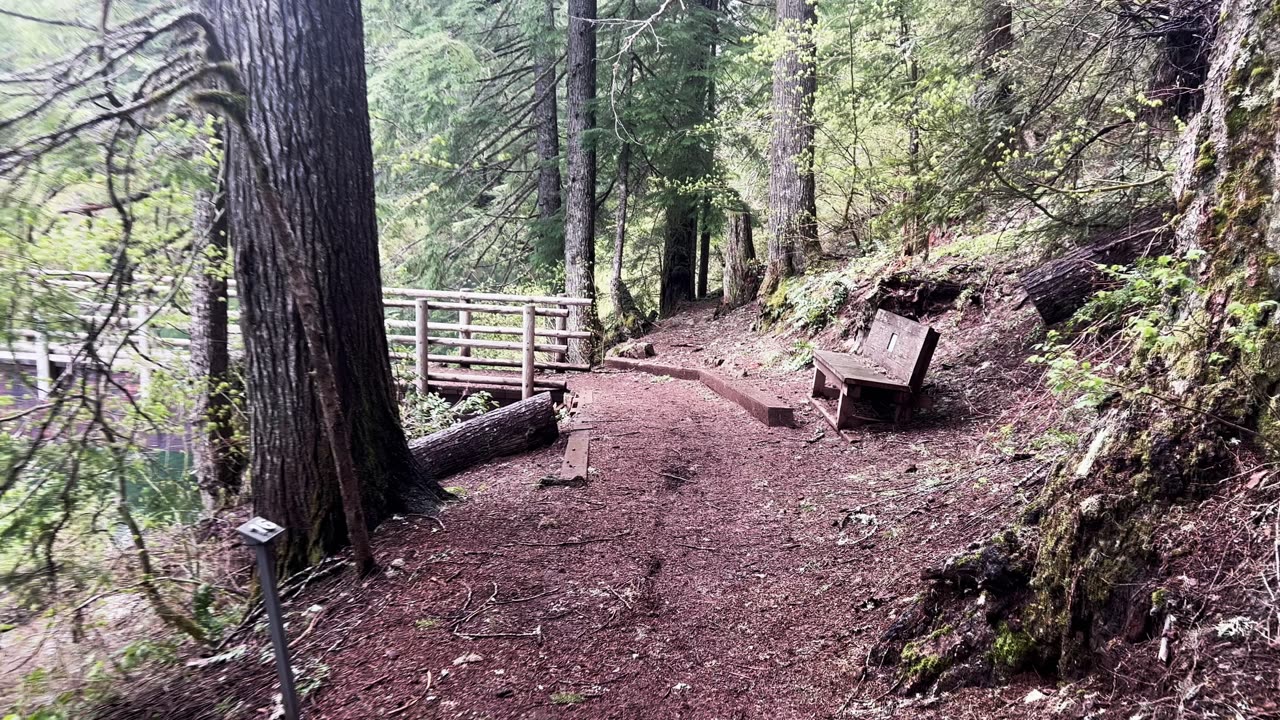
(712, 568)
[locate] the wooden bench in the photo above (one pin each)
(894, 356)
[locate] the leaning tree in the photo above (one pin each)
(302, 70)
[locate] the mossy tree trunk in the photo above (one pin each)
(1169, 437)
(580, 200)
(1081, 572)
(793, 228)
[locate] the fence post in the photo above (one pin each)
(562, 324)
(464, 318)
(142, 341)
(44, 368)
(526, 366)
(421, 317)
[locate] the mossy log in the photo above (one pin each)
(1060, 287)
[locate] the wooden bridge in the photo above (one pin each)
(461, 341)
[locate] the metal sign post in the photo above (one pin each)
(258, 533)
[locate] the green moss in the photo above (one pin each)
(1207, 158)
(1015, 649)
(1159, 599)
(568, 698)
(918, 664)
(942, 632)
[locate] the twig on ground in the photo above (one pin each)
(620, 598)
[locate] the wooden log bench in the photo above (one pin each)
(894, 357)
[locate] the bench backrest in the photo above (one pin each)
(901, 346)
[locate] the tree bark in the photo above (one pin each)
(217, 457)
(627, 321)
(679, 242)
(793, 228)
(1196, 404)
(1078, 575)
(915, 240)
(548, 142)
(580, 206)
(1059, 288)
(704, 246)
(708, 212)
(741, 271)
(516, 428)
(302, 65)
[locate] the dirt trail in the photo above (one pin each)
(712, 568)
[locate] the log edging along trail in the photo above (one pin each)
(770, 411)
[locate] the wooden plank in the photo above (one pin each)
(526, 369)
(509, 380)
(503, 362)
(901, 346)
(500, 393)
(849, 367)
(486, 297)
(573, 468)
(495, 330)
(770, 411)
(487, 344)
(652, 368)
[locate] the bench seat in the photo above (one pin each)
(846, 368)
(895, 356)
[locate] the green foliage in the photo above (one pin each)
(1141, 311)
(1014, 649)
(808, 304)
(424, 414)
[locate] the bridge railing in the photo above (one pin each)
(462, 329)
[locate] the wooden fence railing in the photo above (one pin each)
(525, 344)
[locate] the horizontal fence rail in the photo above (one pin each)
(155, 333)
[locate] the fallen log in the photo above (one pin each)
(516, 428)
(1060, 287)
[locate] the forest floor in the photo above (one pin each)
(712, 568)
(716, 568)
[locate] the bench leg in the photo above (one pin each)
(902, 411)
(819, 383)
(844, 410)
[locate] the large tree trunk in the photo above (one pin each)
(545, 117)
(741, 271)
(689, 159)
(1174, 436)
(915, 238)
(627, 321)
(793, 228)
(679, 241)
(217, 457)
(580, 207)
(709, 213)
(303, 67)
(704, 246)
(1059, 288)
(516, 428)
